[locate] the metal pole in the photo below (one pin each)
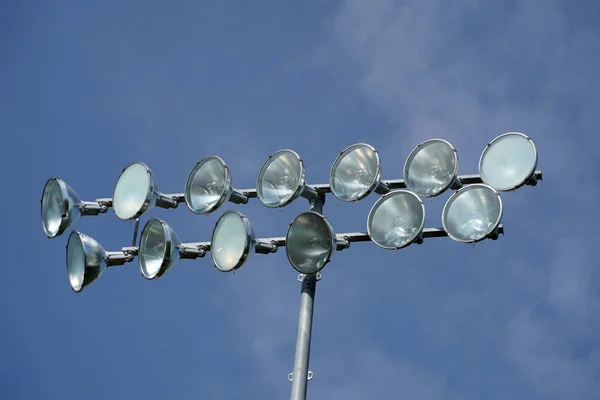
(301, 359)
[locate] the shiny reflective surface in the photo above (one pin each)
(472, 213)
(133, 192)
(231, 242)
(355, 173)
(281, 179)
(508, 161)
(431, 168)
(86, 260)
(60, 207)
(310, 242)
(207, 186)
(159, 248)
(396, 219)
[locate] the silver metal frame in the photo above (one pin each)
(250, 240)
(531, 174)
(458, 193)
(412, 155)
(166, 259)
(339, 158)
(227, 189)
(151, 194)
(301, 181)
(332, 240)
(87, 249)
(64, 220)
(380, 201)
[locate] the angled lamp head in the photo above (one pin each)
(158, 250)
(233, 241)
(355, 173)
(508, 162)
(281, 180)
(431, 168)
(61, 207)
(310, 242)
(472, 213)
(208, 186)
(396, 220)
(86, 260)
(136, 191)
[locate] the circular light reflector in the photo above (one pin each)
(396, 219)
(355, 173)
(86, 260)
(508, 161)
(159, 248)
(232, 241)
(134, 192)
(431, 168)
(281, 179)
(472, 213)
(208, 185)
(310, 242)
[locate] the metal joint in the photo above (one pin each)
(309, 376)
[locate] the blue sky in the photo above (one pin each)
(87, 87)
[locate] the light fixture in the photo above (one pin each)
(209, 186)
(233, 242)
(432, 168)
(87, 260)
(396, 220)
(508, 162)
(62, 207)
(159, 248)
(356, 173)
(136, 192)
(282, 179)
(472, 213)
(310, 242)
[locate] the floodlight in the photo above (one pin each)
(62, 207)
(310, 242)
(159, 248)
(136, 192)
(472, 213)
(432, 168)
(87, 260)
(508, 162)
(282, 179)
(233, 242)
(356, 172)
(209, 186)
(396, 220)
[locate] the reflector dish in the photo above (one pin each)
(61, 207)
(232, 241)
(472, 213)
(135, 192)
(396, 219)
(281, 179)
(355, 173)
(310, 242)
(508, 161)
(431, 168)
(208, 186)
(158, 250)
(86, 260)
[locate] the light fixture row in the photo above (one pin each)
(507, 162)
(395, 221)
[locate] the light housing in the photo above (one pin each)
(431, 168)
(473, 213)
(282, 179)
(61, 207)
(86, 260)
(158, 250)
(209, 186)
(233, 241)
(396, 220)
(310, 242)
(355, 173)
(135, 192)
(508, 162)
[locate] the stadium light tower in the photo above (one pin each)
(396, 220)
